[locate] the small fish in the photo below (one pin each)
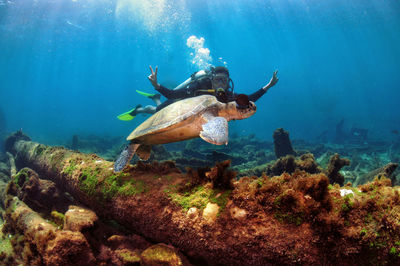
(395, 131)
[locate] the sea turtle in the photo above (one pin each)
(202, 116)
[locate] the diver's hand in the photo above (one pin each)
(273, 81)
(153, 77)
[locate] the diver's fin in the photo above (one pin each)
(127, 116)
(154, 97)
(144, 152)
(125, 157)
(149, 95)
(215, 131)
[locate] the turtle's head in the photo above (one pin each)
(239, 109)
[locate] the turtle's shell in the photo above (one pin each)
(174, 114)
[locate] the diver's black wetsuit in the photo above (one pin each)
(200, 87)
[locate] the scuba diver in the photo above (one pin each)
(215, 81)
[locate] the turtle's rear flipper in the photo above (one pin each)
(125, 157)
(144, 152)
(215, 131)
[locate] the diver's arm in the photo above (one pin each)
(255, 96)
(168, 93)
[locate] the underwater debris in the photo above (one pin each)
(14, 137)
(335, 164)
(386, 171)
(45, 244)
(296, 218)
(358, 135)
(340, 133)
(11, 161)
(39, 194)
(282, 144)
(75, 142)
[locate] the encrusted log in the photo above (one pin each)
(57, 247)
(13, 169)
(290, 219)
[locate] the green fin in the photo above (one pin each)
(127, 116)
(145, 94)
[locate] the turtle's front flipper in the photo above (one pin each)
(144, 152)
(125, 157)
(215, 131)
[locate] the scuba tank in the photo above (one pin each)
(220, 93)
(195, 76)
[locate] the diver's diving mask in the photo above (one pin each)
(220, 81)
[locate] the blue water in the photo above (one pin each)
(70, 67)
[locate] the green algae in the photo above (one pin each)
(5, 245)
(39, 149)
(290, 218)
(71, 167)
(57, 218)
(114, 185)
(94, 184)
(128, 256)
(160, 254)
(199, 197)
(89, 180)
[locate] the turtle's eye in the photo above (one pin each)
(242, 101)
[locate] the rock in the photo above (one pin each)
(159, 153)
(128, 257)
(193, 154)
(210, 212)
(78, 218)
(68, 248)
(285, 164)
(130, 242)
(335, 164)
(193, 213)
(282, 144)
(217, 156)
(161, 254)
(238, 213)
